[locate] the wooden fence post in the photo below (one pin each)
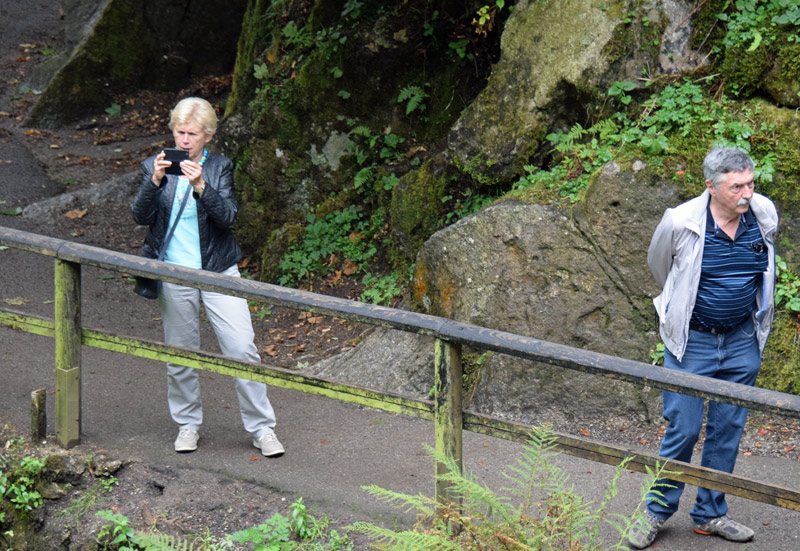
(68, 352)
(447, 416)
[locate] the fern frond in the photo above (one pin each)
(361, 131)
(406, 540)
(424, 505)
(157, 541)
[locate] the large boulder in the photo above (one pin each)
(124, 45)
(558, 60)
(577, 278)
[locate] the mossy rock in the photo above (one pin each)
(780, 368)
(416, 207)
(131, 48)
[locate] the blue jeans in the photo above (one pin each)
(733, 357)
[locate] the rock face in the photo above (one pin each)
(577, 278)
(130, 46)
(558, 60)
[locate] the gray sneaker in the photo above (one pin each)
(725, 527)
(644, 530)
(269, 445)
(186, 440)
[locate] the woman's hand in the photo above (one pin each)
(159, 168)
(194, 173)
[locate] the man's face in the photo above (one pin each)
(734, 193)
(191, 137)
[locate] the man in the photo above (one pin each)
(714, 259)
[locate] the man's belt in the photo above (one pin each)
(714, 330)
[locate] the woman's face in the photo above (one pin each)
(190, 136)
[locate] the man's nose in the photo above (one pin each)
(748, 192)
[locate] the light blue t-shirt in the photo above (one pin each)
(184, 247)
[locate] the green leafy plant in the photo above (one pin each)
(657, 354)
(787, 287)
(117, 534)
(414, 96)
(18, 486)
(345, 235)
(272, 535)
(380, 290)
(620, 90)
(114, 111)
(298, 36)
(544, 513)
(109, 483)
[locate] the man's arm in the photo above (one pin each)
(660, 252)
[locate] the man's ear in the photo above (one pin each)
(711, 189)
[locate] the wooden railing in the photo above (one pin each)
(445, 410)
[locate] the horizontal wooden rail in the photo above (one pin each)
(414, 322)
(445, 410)
(424, 409)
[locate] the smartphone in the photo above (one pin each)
(176, 156)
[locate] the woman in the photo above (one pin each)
(202, 239)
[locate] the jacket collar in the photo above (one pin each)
(697, 209)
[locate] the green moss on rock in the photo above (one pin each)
(780, 369)
(416, 208)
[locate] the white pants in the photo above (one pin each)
(230, 319)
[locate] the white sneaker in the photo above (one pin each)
(269, 445)
(186, 440)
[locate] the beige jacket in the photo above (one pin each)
(675, 258)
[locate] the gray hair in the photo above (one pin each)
(722, 160)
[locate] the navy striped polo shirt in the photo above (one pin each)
(731, 274)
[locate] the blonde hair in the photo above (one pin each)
(196, 110)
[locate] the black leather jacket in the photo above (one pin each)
(216, 212)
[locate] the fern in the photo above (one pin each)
(163, 542)
(414, 95)
(549, 514)
(423, 504)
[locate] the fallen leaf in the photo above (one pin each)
(643, 441)
(350, 268)
(315, 319)
(292, 335)
(55, 146)
(585, 432)
(481, 463)
(76, 213)
(762, 431)
(765, 523)
(16, 211)
(16, 301)
(758, 444)
(270, 350)
(787, 450)
(254, 458)
(5, 114)
(299, 348)
(748, 454)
